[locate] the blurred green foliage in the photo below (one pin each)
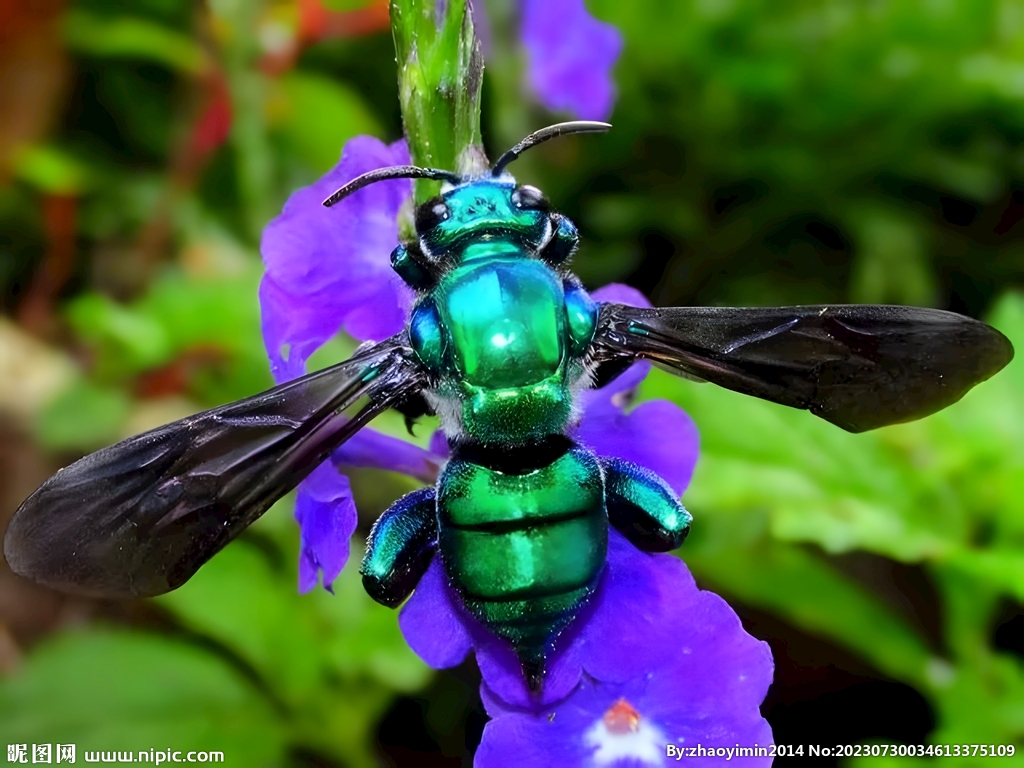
(853, 150)
(764, 153)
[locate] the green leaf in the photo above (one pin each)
(335, 660)
(820, 484)
(53, 170)
(83, 418)
(365, 637)
(108, 690)
(133, 37)
(221, 311)
(218, 316)
(891, 265)
(240, 601)
(317, 115)
(729, 552)
(1002, 569)
(251, 604)
(131, 340)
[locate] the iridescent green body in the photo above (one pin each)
(520, 513)
(525, 549)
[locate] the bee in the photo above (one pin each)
(501, 340)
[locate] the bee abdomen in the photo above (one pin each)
(524, 551)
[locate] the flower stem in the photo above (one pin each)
(440, 69)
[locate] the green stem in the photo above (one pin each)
(439, 74)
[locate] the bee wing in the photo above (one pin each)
(857, 366)
(140, 517)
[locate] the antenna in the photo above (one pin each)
(392, 172)
(551, 132)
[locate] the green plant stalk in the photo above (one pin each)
(440, 70)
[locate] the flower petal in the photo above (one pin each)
(620, 293)
(327, 519)
(572, 733)
(442, 632)
(292, 329)
(503, 674)
(370, 448)
(621, 635)
(656, 434)
(629, 632)
(309, 248)
(571, 55)
(329, 268)
(701, 682)
(433, 623)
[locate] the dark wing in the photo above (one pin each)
(859, 367)
(140, 517)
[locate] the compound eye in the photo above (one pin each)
(530, 199)
(430, 214)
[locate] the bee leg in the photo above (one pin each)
(400, 547)
(642, 507)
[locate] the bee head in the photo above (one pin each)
(482, 211)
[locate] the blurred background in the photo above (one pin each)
(764, 153)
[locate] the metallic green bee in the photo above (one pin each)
(501, 340)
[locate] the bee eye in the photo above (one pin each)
(430, 214)
(530, 199)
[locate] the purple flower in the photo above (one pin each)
(651, 646)
(607, 640)
(329, 270)
(705, 692)
(639, 434)
(571, 55)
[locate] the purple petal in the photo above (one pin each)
(327, 519)
(624, 631)
(573, 733)
(309, 248)
(433, 623)
(656, 434)
(439, 444)
(292, 328)
(620, 293)
(621, 643)
(442, 632)
(328, 268)
(503, 674)
(704, 681)
(571, 55)
(370, 448)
